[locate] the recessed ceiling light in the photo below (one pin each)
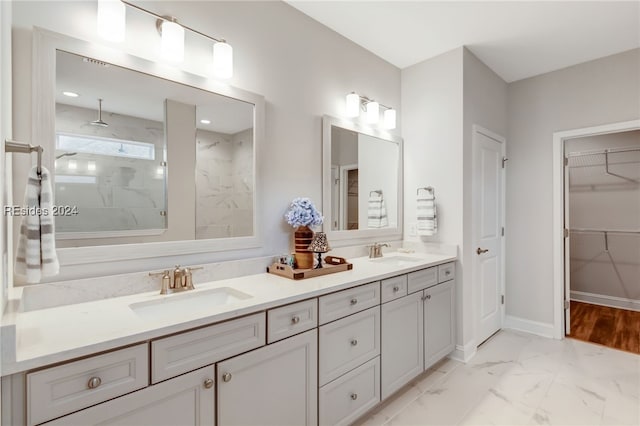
(70, 94)
(205, 121)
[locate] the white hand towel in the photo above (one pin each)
(377, 212)
(36, 257)
(427, 215)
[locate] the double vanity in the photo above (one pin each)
(258, 349)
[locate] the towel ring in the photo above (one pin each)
(428, 189)
(377, 191)
(21, 147)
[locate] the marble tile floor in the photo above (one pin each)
(522, 379)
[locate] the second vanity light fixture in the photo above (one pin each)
(111, 27)
(372, 110)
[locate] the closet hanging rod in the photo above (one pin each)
(602, 151)
(24, 148)
(599, 231)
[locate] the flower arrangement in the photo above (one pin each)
(302, 212)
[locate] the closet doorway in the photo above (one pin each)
(602, 244)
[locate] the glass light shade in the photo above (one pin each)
(353, 105)
(222, 60)
(111, 20)
(91, 166)
(389, 119)
(72, 164)
(373, 112)
(172, 44)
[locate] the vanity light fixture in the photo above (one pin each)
(91, 166)
(355, 102)
(72, 164)
(111, 21)
(172, 44)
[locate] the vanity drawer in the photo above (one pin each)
(347, 343)
(291, 319)
(60, 390)
(446, 272)
(348, 397)
(194, 349)
(393, 288)
(337, 305)
(422, 279)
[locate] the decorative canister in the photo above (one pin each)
(302, 238)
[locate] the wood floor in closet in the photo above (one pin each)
(612, 327)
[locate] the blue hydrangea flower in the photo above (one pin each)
(302, 212)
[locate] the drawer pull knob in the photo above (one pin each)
(354, 396)
(354, 342)
(295, 320)
(226, 377)
(94, 382)
(208, 384)
(354, 301)
(447, 273)
(396, 289)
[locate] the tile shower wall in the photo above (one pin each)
(121, 193)
(224, 184)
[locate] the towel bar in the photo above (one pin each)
(377, 191)
(25, 148)
(426, 188)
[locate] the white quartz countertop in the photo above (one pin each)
(63, 333)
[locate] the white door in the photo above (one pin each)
(567, 258)
(488, 199)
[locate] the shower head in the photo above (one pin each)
(99, 121)
(66, 154)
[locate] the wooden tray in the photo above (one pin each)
(332, 264)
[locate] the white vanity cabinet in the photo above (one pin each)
(187, 400)
(419, 329)
(274, 385)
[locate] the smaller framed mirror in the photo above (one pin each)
(361, 182)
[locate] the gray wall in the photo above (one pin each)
(602, 91)
(302, 68)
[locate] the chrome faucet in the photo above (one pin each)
(375, 250)
(182, 279)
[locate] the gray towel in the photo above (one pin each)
(427, 215)
(377, 212)
(36, 257)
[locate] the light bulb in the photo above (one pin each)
(91, 166)
(72, 165)
(389, 119)
(373, 112)
(222, 60)
(111, 20)
(353, 105)
(172, 44)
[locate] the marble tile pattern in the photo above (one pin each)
(522, 379)
(224, 184)
(127, 193)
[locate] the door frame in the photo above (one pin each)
(559, 211)
(476, 129)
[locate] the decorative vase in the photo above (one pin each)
(302, 238)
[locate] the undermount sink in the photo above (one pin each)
(193, 301)
(396, 260)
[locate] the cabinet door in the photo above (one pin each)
(186, 400)
(273, 385)
(439, 322)
(402, 342)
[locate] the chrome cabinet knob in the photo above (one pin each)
(208, 384)
(396, 289)
(94, 382)
(354, 342)
(354, 396)
(295, 320)
(226, 377)
(354, 301)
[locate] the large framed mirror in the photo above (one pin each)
(152, 161)
(362, 182)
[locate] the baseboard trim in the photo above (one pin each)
(464, 353)
(529, 326)
(604, 300)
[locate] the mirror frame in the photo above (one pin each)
(45, 45)
(348, 237)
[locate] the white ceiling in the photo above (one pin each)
(515, 39)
